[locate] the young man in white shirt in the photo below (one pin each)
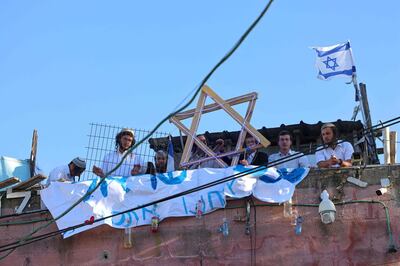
(333, 154)
(131, 164)
(284, 143)
(67, 172)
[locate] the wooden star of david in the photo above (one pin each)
(226, 105)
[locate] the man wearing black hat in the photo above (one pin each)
(67, 172)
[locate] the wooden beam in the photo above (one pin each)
(193, 128)
(393, 146)
(225, 105)
(215, 106)
(243, 132)
(9, 181)
(200, 144)
(236, 116)
(29, 183)
(372, 157)
(32, 158)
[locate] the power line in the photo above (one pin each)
(129, 151)
(23, 213)
(14, 245)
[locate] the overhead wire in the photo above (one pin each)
(24, 222)
(226, 57)
(129, 151)
(274, 163)
(213, 183)
(22, 214)
(204, 186)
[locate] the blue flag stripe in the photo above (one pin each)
(348, 72)
(343, 47)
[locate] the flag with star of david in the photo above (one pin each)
(335, 61)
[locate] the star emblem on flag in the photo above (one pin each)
(330, 63)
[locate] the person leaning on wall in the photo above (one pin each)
(132, 164)
(160, 161)
(285, 144)
(67, 172)
(334, 152)
(252, 155)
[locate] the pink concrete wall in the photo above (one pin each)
(358, 237)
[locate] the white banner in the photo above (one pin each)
(118, 194)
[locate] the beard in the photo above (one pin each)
(161, 168)
(331, 143)
(122, 149)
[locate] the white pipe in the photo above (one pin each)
(386, 145)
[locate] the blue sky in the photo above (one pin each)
(64, 64)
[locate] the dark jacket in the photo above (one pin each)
(260, 158)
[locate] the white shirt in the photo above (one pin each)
(343, 151)
(250, 157)
(113, 158)
(293, 163)
(60, 173)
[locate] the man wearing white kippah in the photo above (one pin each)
(67, 172)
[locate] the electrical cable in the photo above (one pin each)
(129, 151)
(213, 183)
(243, 37)
(226, 179)
(220, 181)
(25, 222)
(392, 247)
(204, 186)
(22, 214)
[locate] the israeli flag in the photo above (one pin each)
(335, 60)
(171, 160)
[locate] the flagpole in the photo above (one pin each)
(360, 100)
(359, 97)
(370, 144)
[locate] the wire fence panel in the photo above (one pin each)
(101, 141)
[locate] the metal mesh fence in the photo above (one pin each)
(102, 141)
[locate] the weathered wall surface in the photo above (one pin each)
(358, 237)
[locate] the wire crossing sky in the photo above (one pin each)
(66, 64)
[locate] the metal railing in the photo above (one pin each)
(101, 141)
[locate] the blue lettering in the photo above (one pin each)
(91, 188)
(184, 205)
(104, 188)
(218, 194)
(121, 220)
(124, 221)
(144, 210)
(230, 185)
